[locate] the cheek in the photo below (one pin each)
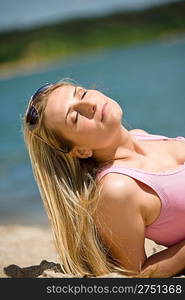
(85, 125)
(89, 133)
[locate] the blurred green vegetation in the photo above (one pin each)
(59, 40)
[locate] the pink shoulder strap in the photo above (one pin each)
(149, 136)
(156, 137)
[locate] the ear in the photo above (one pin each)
(81, 152)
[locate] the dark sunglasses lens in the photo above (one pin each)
(41, 89)
(32, 116)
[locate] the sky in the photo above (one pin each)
(24, 13)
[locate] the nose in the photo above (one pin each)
(85, 108)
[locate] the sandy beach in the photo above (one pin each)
(25, 246)
(32, 249)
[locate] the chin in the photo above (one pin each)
(119, 114)
(117, 119)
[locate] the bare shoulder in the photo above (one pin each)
(139, 131)
(117, 192)
(115, 185)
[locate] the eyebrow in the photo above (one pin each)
(74, 93)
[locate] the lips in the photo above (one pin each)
(103, 109)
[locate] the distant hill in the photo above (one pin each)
(47, 43)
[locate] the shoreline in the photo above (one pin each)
(33, 47)
(30, 247)
(25, 68)
(11, 70)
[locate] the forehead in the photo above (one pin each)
(59, 95)
(56, 104)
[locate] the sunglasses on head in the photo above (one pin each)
(32, 115)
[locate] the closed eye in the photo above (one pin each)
(83, 95)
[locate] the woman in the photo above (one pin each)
(106, 188)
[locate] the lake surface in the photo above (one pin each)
(148, 81)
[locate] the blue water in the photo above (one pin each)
(148, 80)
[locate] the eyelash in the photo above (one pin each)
(76, 119)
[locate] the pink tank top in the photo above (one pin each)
(169, 228)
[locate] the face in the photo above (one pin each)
(88, 118)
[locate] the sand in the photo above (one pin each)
(25, 246)
(28, 246)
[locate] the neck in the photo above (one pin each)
(125, 146)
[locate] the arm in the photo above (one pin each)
(166, 263)
(121, 223)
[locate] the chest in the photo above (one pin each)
(160, 156)
(164, 156)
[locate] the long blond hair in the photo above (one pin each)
(70, 194)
